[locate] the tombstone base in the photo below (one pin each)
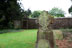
(42, 44)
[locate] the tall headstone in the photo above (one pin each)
(45, 38)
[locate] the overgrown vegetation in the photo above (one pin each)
(11, 10)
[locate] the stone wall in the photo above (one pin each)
(62, 23)
(17, 24)
(58, 23)
(32, 24)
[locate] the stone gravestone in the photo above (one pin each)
(45, 38)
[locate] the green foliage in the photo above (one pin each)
(35, 14)
(70, 9)
(27, 13)
(56, 12)
(11, 10)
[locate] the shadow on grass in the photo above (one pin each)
(10, 30)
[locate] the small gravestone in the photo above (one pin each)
(45, 38)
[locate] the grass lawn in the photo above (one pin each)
(21, 39)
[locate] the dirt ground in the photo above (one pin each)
(63, 39)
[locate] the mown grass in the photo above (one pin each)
(21, 39)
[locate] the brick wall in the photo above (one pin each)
(58, 23)
(32, 24)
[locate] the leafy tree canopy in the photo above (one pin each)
(70, 9)
(9, 10)
(56, 12)
(35, 14)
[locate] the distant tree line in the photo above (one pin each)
(11, 10)
(55, 12)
